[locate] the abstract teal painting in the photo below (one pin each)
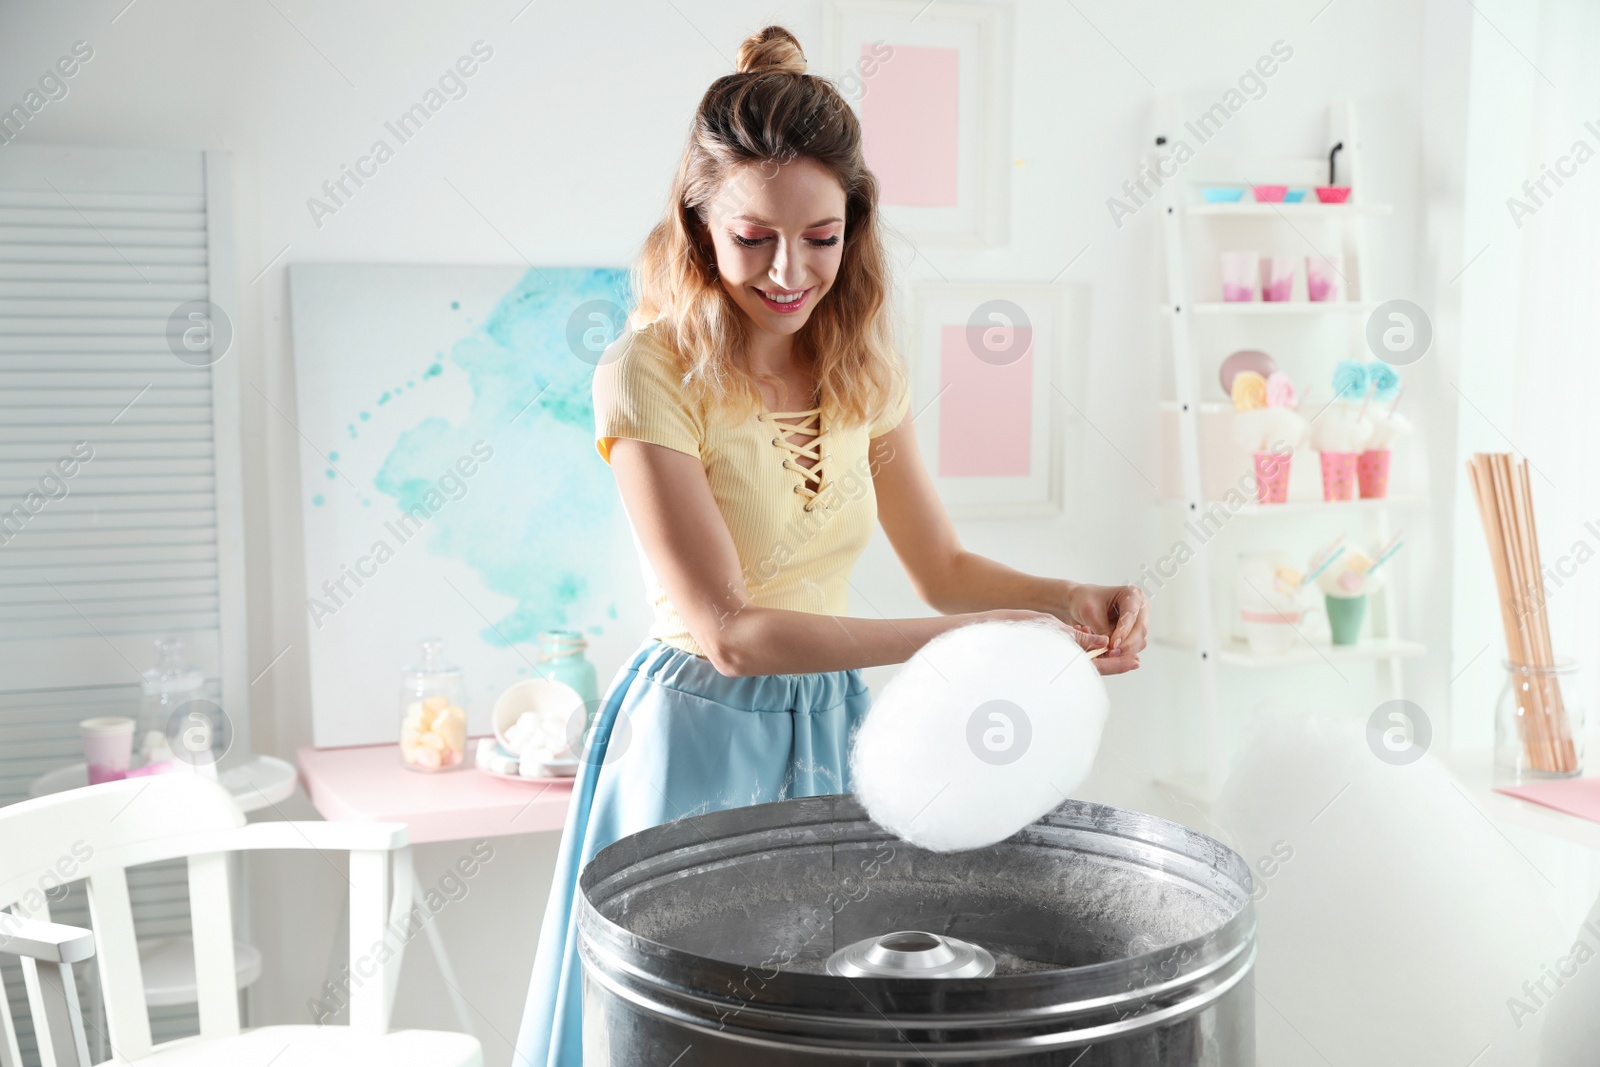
(449, 482)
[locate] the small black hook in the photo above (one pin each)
(1336, 150)
(1161, 140)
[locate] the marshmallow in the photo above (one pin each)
(433, 733)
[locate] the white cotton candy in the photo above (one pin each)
(1386, 427)
(1268, 430)
(1341, 428)
(988, 728)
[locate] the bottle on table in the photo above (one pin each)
(561, 656)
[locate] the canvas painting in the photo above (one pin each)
(450, 485)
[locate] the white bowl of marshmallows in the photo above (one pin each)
(539, 727)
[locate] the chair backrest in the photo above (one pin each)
(95, 834)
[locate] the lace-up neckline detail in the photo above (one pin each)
(809, 422)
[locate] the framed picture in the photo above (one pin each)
(991, 388)
(931, 84)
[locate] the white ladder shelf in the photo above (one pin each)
(1210, 648)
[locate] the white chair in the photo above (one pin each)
(96, 833)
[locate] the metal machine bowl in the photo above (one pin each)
(1093, 937)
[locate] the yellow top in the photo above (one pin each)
(798, 532)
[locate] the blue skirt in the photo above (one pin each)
(674, 738)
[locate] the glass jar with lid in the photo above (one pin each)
(433, 713)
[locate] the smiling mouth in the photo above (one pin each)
(785, 303)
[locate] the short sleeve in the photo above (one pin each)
(892, 417)
(638, 395)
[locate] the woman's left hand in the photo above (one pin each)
(1121, 612)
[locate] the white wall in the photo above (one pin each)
(561, 153)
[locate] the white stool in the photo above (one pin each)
(168, 967)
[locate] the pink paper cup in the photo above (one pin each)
(1277, 278)
(1323, 274)
(1372, 470)
(107, 747)
(1241, 276)
(1270, 194)
(1272, 477)
(1338, 476)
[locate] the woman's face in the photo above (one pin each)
(778, 232)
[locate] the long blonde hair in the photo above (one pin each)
(768, 113)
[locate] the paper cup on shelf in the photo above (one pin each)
(1338, 476)
(1241, 276)
(1278, 283)
(1269, 614)
(1272, 477)
(107, 747)
(1372, 470)
(1345, 615)
(1270, 633)
(1323, 277)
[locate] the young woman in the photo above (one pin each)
(755, 418)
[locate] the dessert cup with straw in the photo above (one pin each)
(1339, 433)
(1372, 466)
(1346, 588)
(1341, 430)
(1347, 583)
(1271, 603)
(1266, 424)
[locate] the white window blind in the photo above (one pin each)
(120, 501)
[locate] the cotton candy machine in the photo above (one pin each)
(801, 933)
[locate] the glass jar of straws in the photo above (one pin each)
(1538, 722)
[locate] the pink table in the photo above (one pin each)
(368, 784)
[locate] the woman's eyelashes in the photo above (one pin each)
(755, 242)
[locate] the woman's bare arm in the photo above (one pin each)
(669, 502)
(950, 579)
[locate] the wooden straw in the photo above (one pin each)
(1534, 640)
(1560, 726)
(1484, 488)
(1538, 639)
(1481, 470)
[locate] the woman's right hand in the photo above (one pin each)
(1086, 640)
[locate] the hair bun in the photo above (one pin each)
(771, 49)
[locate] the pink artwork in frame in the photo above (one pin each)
(985, 409)
(910, 124)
